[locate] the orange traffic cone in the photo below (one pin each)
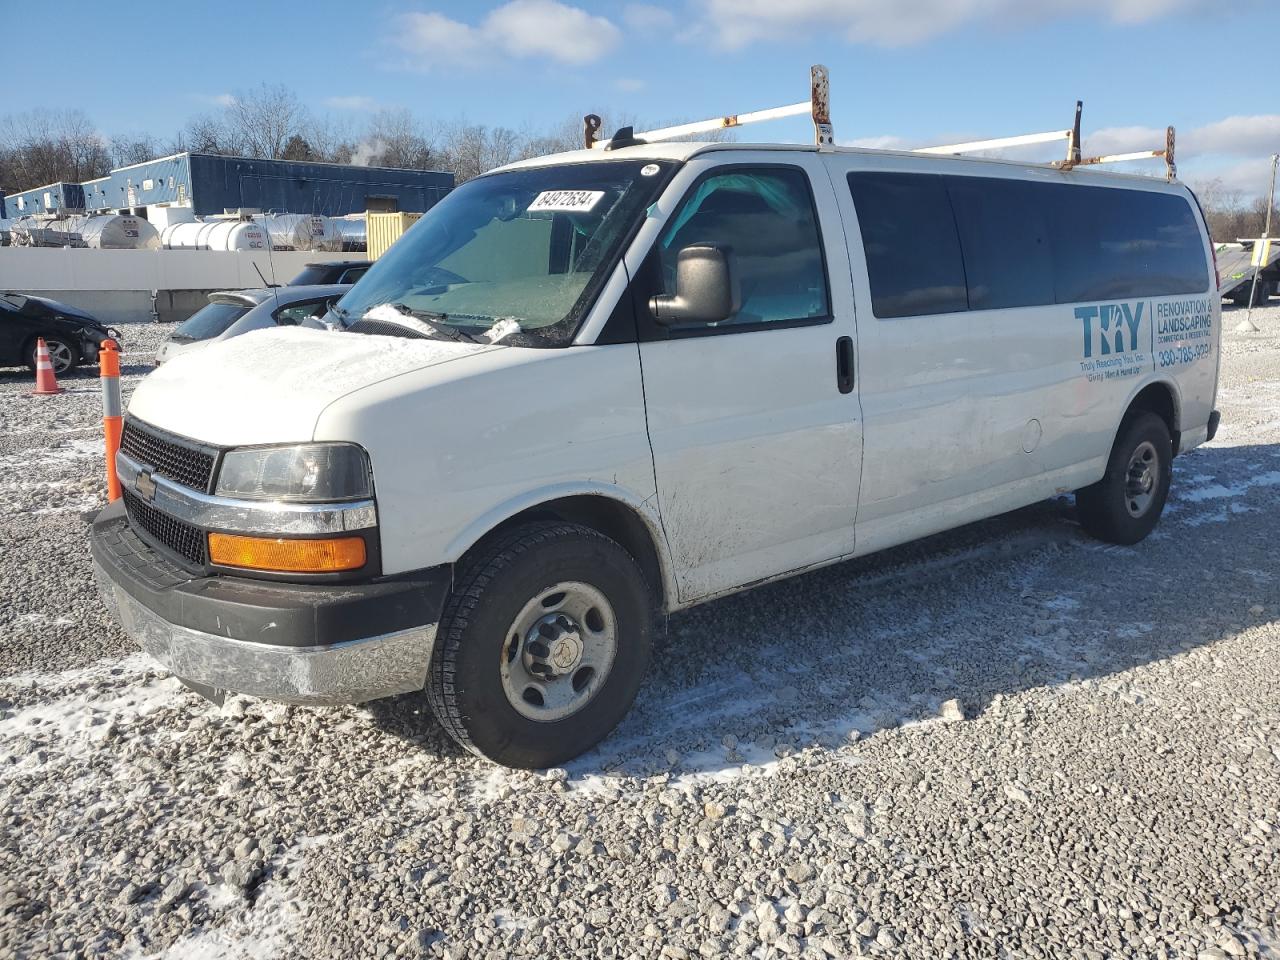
(46, 382)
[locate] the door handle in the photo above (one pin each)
(844, 364)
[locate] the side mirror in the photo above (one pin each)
(706, 289)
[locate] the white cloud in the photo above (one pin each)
(520, 28)
(884, 142)
(1237, 136)
(217, 99)
(353, 102)
(646, 18)
(737, 23)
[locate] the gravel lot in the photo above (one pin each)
(793, 781)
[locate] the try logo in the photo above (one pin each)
(1113, 326)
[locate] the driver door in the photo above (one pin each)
(754, 421)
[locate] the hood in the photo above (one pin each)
(44, 308)
(270, 386)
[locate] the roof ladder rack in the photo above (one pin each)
(818, 106)
(1072, 136)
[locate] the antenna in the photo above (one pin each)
(817, 106)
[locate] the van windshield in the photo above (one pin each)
(528, 247)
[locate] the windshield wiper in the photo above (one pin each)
(433, 320)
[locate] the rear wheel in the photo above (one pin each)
(1125, 505)
(1261, 293)
(542, 646)
(62, 355)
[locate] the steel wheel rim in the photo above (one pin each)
(59, 356)
(1141, 479)
(558, 651)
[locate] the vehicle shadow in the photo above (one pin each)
(85, 375)
(1020, 601)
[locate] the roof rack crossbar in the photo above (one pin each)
(817, 106)
(974, 146)
(1167, 155)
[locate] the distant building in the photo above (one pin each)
(205, 184)
(46, 199)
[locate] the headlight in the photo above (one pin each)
(309, 472)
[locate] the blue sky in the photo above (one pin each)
(903, 73)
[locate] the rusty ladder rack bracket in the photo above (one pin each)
(818, 106)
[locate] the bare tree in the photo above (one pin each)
(257, 123)
(43, 147)
(394, 138)
(1228, 214)
(131, 148)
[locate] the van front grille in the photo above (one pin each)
(182, 462)
(186, 541)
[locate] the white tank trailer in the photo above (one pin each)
(106, 232)
(301, 231)
(354, 230)
(223, 235)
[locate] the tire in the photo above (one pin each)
(1125, 505)
(505, 639)
(1261, 294)
(62, 354)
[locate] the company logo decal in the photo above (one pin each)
(1113, 327)
(1112, 337)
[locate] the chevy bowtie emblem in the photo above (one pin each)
(145, 486)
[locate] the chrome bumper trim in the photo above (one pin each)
(248, 516)
(351, 672)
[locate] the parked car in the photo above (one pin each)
(336, 271)
(230, 313)
(72, 336)
(591, 389)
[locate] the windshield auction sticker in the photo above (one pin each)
(566, 201)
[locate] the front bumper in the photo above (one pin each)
(297, 643)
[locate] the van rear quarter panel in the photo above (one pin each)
(973, 413)
(459, 447)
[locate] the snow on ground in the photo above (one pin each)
(785, 785)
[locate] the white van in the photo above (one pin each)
(589, 388)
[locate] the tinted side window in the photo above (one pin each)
(911, 244)
(294, 314)
(1005, 236)
(1112, 244)
(1013, 243)
(766, 219)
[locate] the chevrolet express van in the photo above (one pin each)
(589, 388)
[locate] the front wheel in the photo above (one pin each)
(62, 355)
(1125, 505)
(542, 645)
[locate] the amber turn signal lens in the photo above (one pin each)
(286, 556)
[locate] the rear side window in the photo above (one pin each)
(209, 321)
(1005, 236)
(1113, 244)
(294, 314)
(1020, 243)
(912, 247)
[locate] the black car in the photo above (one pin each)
(336, 271)
(73, 337)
